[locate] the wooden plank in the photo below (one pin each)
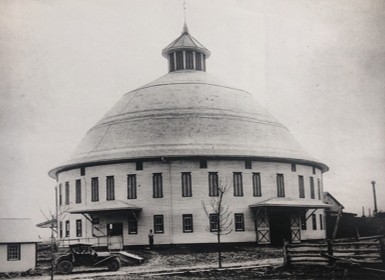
(310, 259)
(301, 245)
(357, 251)
(357, 244)
(305, 255)
(307, 251)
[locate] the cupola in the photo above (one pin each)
(186, 53)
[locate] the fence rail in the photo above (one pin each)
(367, 250)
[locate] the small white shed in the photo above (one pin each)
(18, 245)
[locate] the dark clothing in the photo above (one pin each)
(151, 239)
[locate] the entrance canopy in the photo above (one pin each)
(291, 203)
(111, 206)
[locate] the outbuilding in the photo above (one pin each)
(18, 245)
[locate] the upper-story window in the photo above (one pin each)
(82, 171)
(257, 189)
(248, 164)
(95, 189)
(131, 186)
(319, 188)
(60, 195)
(312, 193)
(301, 186)
(314, 170)
(139, 165)
(238, 184)
(67, 193)
(293, 167)
(213, 184)
(157, 185)
(203, 163)
(189, 60)
(78, 191)
(186, 184)
(280, 185)
(110, 187)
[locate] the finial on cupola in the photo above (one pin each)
(185, 28)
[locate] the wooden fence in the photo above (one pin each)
(365, 250)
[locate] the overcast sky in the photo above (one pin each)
(317, 66)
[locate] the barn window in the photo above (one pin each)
(132, 224)
(280, 185)
(248, 164)
(95, 189)
(179, 60)
(186, 184)
(157, 185)
(301, 186)
(13, 252)
(314, 221)
(172, 62)
(82, 171)
(239, 222)
(312, 194)
(139, 165)
(257, 190)
(293, 167)
(61, 229)
(314, 171)
(321, 224)
(67, 193)
(67, 228)
(238, 184)
(198, 61)
(78, 191)
(303, 221)
(213, 184)
(189, 60)
(214, 222)
(158, 224)
(319, 188)
(187, 222)
(60, 195)
(78, 228)
(131, 186)
(203, 163)
(204, 62)
(110, 187)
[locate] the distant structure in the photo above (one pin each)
(18, 244)
(168, 145)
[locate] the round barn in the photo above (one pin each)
(168, 149)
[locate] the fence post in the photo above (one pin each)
(286, 257)
(330, 251)
(382, 244)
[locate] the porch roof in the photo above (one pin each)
(290, 202)
(115, 205)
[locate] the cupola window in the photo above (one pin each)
(179, 60)
(172, 62)
(198, 61)
(189, 60)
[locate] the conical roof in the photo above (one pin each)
(185, 42)
(183, 114)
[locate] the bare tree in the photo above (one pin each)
(220, 213)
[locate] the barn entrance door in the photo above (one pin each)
(279, 227)
(295, 227)
(262, 226)
(115, 236)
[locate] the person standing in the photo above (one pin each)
(151, 239)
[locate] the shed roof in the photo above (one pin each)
(13, 230)
(290, 202)
(115, 205)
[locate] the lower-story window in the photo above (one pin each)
(132, 224)
(321, 224)
(61, 229)
(239, 222)
(187, 223)
(13, 252)
(214, 222)
(158, 224)
(303, 221)
(314, 221)
(67, 228)
(78, 228)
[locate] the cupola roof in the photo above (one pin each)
(185, 42)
